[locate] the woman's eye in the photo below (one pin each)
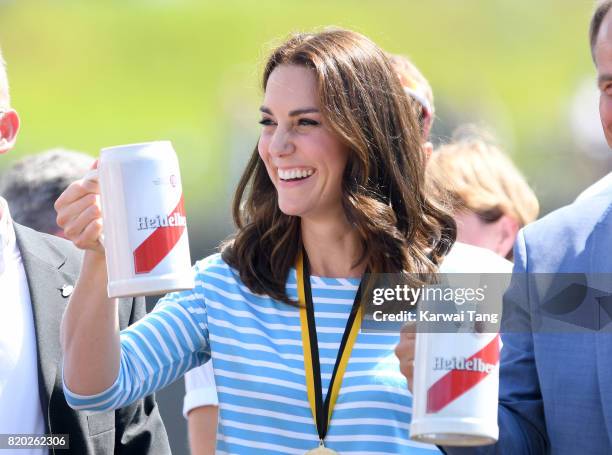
(307, 122)
(266, 122)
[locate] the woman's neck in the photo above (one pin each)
(333, 247)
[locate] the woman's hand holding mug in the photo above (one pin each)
(79, 213)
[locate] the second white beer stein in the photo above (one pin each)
(456, 383)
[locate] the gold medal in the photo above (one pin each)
(322, 450)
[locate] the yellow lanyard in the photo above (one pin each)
(322, 410)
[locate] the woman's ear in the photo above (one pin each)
(507, 229)
(9, 127)
(427, 149)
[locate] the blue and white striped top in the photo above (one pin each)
(259, 367)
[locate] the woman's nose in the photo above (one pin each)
(281, 142)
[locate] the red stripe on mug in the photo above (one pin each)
(159, 244)
(457, 382)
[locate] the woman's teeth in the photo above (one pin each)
(293, 174)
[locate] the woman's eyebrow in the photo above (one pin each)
(306, 110)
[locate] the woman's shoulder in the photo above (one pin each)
(215, 266)
(217, 280)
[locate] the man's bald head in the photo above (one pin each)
(5, 101)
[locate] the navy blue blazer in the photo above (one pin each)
(556, 371)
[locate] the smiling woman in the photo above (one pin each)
(334, 109)
(333, 188)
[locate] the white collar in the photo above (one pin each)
(8, 244)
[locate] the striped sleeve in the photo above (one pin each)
(156, 350)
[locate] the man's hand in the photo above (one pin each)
(405, 352)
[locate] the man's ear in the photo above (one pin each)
(507, 228)
(9, 127)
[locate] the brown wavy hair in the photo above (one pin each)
(402, 229)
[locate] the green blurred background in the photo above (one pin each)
(89, 74)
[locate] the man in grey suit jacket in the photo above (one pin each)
(37, 272)
(51, 266)
(556, 362)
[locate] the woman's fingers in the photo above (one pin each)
(75, 226)
(67, 214)
(79, 214)
(89, 237)
(75, 191)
